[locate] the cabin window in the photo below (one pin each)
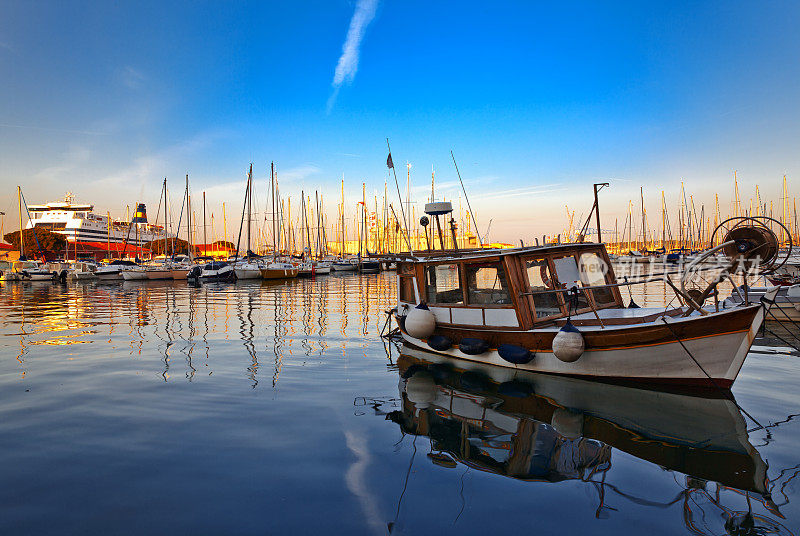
(540, 280)
(443, 284)
(569, 276)
(486, 284)
(593, 271)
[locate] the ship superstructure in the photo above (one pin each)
(78, 223)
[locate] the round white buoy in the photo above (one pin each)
(421, 389)
(568, 423)
(420, 322)
(568, 344)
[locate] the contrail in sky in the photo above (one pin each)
(348, 61)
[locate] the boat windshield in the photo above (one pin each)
(569, 276)
(540, 280)
(443, 284)
(486, 284)
(593, 270)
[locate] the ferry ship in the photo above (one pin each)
(79, 224)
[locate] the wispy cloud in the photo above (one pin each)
(69, 131)
(298, 173)
(130, 77)
(531, 190)
(348, 62)
(73, 158)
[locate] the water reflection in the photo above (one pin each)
(161, 384)
(548, 429)
(274, 320)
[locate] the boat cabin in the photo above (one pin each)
(509, 288)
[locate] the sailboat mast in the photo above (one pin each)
(272, 190)
(343, 240)
(188, 219)
(249, 204)
(108, 234)
(21, 247)
(644, 225)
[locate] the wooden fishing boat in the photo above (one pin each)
(558, 309)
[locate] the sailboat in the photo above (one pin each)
(162, 270)
(277, 268)
(182, 265)
(343, 263)
(248, 267)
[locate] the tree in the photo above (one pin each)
(49, 241)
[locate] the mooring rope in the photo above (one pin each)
(724, 391)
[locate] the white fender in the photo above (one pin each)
(420, 322)
(568, 344)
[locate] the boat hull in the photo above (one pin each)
(40, 276)
(83, 276)
(248, 273)
(282, 273)
(651, 353)
(158, 275)
(181, 273)
(224, 274)
(133, 275)
(343, 267)
(369, 267)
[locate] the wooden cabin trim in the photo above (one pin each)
(550, 257)
(512, 261)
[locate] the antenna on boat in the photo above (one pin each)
(471, 213)
(596, 210)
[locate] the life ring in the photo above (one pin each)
(543, 274)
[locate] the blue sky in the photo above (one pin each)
(537, 101)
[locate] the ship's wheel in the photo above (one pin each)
(749, 246)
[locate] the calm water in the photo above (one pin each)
(159, 408)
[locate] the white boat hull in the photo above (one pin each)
(248, 273)
(134, 275)
(720, 355)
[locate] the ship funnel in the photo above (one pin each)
(140, 216)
